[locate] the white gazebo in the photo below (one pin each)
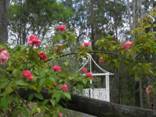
(97, 93)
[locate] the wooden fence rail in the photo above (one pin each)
(99, 108)
(106, 109)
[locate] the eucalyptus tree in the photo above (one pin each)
(35, 16)
(97, 16)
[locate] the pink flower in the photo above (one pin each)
(60, 28)
(27, 74)
(43, 56)
(89, 74)
(87, 43)
(60, 114)
(57, 68)
(128, 44)
(33, 40)
(4, 56)
(84, 70)
(64, 87)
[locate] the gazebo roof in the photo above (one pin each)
(90, 60)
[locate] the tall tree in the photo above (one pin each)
(35, 16)
(103, 14)
(3, 20)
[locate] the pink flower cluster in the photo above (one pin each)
(33, 40)
(60, 114)
(4, 56)
(42, 56)
(88, 74)
(128, 44)
(64, 87)
(27, 74)
(56, 68)
(60, 28)
(84, 70)
(87, 43)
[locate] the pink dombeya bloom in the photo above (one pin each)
(27, 74)
(64, 87)
(84, 70)
(4, 56)
(33, 40)
(89, 74)
(42, 56)
(60, 28)
(128, 44)
(87, 43)
(60, 114)
(57, 68)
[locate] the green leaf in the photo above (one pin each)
(8, 90)
(4, 102)
(22, 83)
(52, 79)
(21, 111)
(57, 96)
(3, 83)
(39, 96)
(67, 95)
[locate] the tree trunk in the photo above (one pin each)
(137, 11)
(3, 21)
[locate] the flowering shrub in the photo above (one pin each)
(33, 69)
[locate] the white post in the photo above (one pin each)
(107, 87)
(90, 69)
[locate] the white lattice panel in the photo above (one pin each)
(97, 93)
